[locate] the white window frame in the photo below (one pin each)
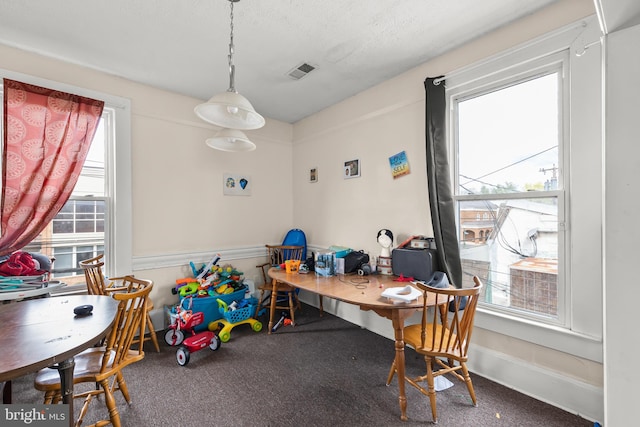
(553, 63)
(575, 333)
(117, 115)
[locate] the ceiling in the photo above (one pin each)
(182, 45)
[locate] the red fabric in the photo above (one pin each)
(19, 264)
(46, 140)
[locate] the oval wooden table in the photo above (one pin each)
(363, 291)
(45, 332)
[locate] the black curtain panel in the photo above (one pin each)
(439, 182)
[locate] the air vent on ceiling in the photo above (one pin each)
(301, 70)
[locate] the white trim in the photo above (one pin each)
(578, 334)
(546, 385)
(539, 47)
(181, 259)
(556, 337)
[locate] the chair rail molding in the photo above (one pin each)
(150, 262)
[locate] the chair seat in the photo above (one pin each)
(86, 369)
(281, 287)
(412, 337)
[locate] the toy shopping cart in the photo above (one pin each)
(233, 318)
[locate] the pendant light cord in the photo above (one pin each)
(232, 67)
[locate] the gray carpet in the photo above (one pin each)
(322, 372)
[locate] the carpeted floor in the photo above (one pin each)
(322, 372)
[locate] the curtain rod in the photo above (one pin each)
(567, 28)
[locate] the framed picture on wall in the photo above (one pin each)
(352, 168)
(313, 175)
(236, 184)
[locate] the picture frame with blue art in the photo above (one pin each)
(234, 184)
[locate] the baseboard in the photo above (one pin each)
(548, 386)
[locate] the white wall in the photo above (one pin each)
(621, 233)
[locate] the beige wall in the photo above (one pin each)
(179, 209)
(381, 122)
(177, 201)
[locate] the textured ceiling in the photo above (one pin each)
(182, 45)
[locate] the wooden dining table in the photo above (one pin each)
(45, 332)
(365, 292)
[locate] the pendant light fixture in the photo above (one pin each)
(230, 110)
(230, 140)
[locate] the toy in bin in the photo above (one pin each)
(185, 322)
(236, 313)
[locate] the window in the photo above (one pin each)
(509, 191)
(87, 224)
(517, 121)
(78, 231)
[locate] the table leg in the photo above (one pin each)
(398, 326)
(65, 369)
(272, 308)
(6, 393)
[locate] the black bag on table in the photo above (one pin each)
(353, 261)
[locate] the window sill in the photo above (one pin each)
(77, 289)
(554, 337)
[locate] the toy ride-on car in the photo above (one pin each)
(186, 321)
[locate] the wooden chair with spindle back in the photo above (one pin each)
(443, 338)
(286, 296)
(103, 365)
(98, 285)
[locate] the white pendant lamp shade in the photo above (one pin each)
(230, 140)
(230, 110)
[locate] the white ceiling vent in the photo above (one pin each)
(301, 70)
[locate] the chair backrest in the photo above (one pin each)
(296, 237)
(447, 327)
(93, 275)
(277, 254)
(130, 318)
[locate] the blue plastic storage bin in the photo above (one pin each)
(209, 306)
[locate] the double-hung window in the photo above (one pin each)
(97, 217)
(77, 232)
(526, 164)
(509, 187)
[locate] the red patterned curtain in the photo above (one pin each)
(47, 135)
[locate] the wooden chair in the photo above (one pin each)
(97, 285)
(443, 338)
(286, 295)
(103, 365)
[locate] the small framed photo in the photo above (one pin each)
(352, 168)
(236, 184)
(313, 175)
